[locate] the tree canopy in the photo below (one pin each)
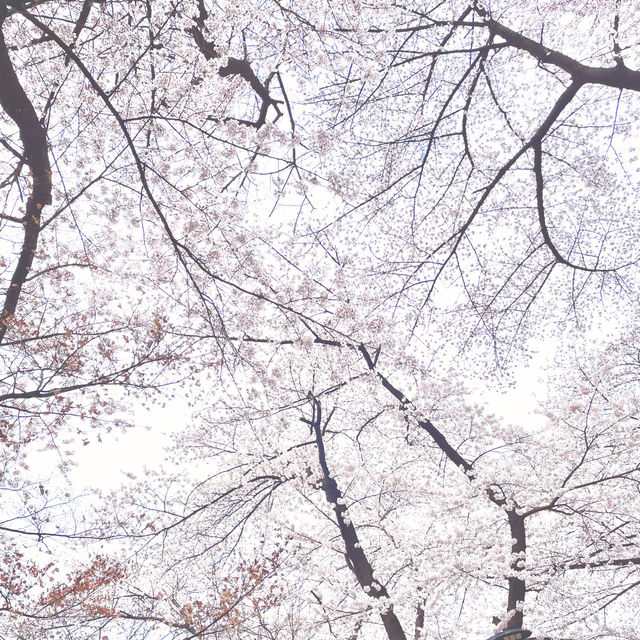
(343, 232)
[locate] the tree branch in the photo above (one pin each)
(235, 67)
(18, 107)
(537, 168)
(516, 521)
(620, 76)
(358, 561)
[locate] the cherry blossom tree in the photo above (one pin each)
(338, 227)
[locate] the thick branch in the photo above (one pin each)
(437, 436)
(235, 67)
(358, 561)
(537, 168)
(620, 77)
(18, 107)
(597, 564)
(517, 586)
